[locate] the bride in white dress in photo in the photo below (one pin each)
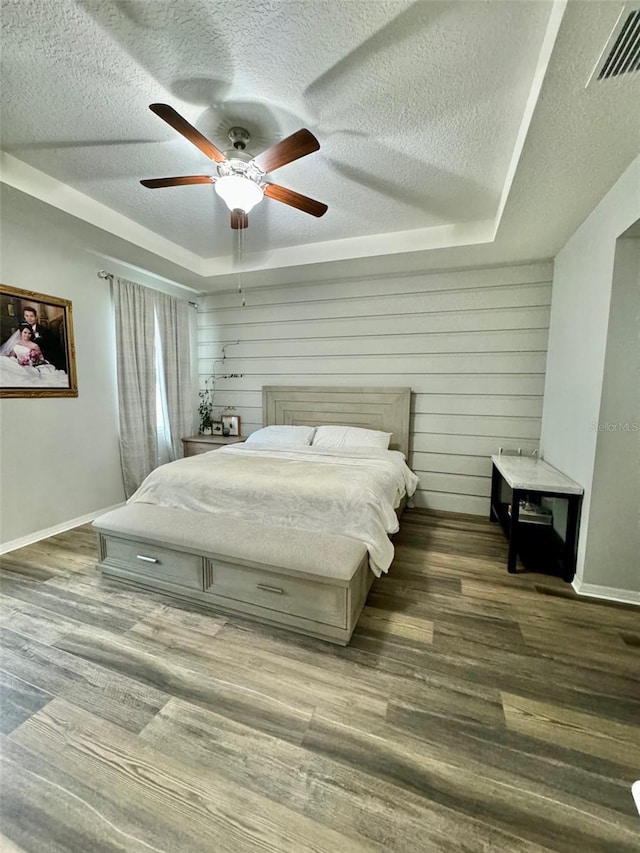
(22, 364)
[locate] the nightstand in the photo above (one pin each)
(203, 443)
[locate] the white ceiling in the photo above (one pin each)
(442, 124)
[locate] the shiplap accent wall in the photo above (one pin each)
(470, 343)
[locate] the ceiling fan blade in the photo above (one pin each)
(299, 144)
(180, 124)
(293, 199)
(183, 181)
(239, 220)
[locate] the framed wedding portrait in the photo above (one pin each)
(37, 352)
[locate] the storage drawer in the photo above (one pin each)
(153, 561)
(307, 599)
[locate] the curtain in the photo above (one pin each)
(163, 433)
(173, 328)
(136, 370)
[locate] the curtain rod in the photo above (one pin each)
(109, 275)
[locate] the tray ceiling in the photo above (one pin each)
(422, 111)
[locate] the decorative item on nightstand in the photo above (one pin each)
(205, 409)
(231, 425)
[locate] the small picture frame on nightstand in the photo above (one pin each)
(231, 425)
(216, 428)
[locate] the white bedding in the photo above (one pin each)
(347, 492)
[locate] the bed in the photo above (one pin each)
(288, 535)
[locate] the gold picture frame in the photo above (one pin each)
(37, 350)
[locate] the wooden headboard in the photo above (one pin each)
(386, 409)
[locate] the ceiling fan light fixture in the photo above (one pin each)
(238, 192)
(240, 182)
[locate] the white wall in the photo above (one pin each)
(59, 458)
(470, 343)
(578, 335)
(613, 554)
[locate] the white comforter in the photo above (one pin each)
(348, 492)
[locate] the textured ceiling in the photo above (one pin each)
(419, 109)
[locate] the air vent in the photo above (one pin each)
(621, 54)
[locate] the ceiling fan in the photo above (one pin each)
(240, 179)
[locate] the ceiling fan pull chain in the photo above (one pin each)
(240, 233)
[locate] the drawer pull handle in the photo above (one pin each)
(146, 559)
(267, 588)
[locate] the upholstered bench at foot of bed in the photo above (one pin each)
(313, 583)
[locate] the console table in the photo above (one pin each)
(528, 476)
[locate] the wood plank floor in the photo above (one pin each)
(472, 711)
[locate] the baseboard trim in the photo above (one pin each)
(608, 593)
(14, 544)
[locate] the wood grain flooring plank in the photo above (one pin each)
(500, 632)
(568, 642)
(522, 665)
(453, 699)
(565, 606)
(54, 820)
(343, 669)
(312, 683)
(416, 578)
(438, 605)
(478, 747)
(451, 567)
(608, 694)
(604, 738)
(384, 622)
(549, 587)
(20, 567)
(81, 541)
(501, 635)
(18, 701)
(7, 845)
(28, 619)
(445, 546)
(209, 815)
(179, 630)
(397, 742)
(582, 612)
(348, 661)
(72, 816)
(238, 691)
(122, 700)
(357, 804)
(102, 590)
(498, 803)
(70, 604)
(265, 763)
(49, 558)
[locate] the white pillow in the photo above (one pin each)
(282, 435)
(344, 436)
